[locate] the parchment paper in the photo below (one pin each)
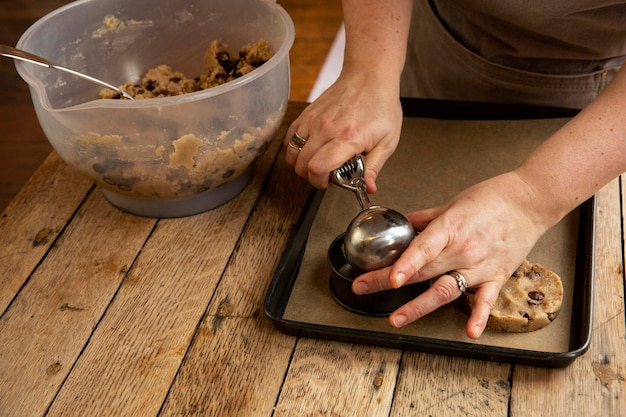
(435, 160)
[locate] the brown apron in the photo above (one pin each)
(440, 65)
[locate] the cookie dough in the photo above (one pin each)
(219, 67)
(187, 165)
(186, 158)
(530, 300)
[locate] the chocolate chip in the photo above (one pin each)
(223, 58)
(257, 63)
(535, 298)
(151, 85)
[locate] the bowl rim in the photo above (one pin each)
(279, 55)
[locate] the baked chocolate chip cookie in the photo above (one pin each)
(528, 301)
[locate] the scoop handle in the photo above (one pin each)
(360, 190)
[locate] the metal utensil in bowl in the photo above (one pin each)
(20, 55)
(377, 236)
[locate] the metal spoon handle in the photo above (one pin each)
(10, 52)
(350, 177)
(361, 195)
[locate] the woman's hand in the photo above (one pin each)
(357, 114)
(484, 233)
(361, 111)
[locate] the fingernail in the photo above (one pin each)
(399, 280)
(359, 288)
(399, 320)
(476, 331)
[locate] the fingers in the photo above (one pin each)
(318, 156)
(484, 300)
(421, 219)
(322, 160)
(316, 159)
(371, 282)
(423, 259)
(336, 129)
(292, 149)
(443, 291)
(426, 258)
(375, 159)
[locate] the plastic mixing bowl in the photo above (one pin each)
(160, 157)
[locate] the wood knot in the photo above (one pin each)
(54, 368)
(41, 238)
(225, 308)
(379, 379)
(604, 372)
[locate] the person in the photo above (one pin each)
(564, 53)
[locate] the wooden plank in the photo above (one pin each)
(339, 379)
(134, 354)
(205, 382)
(137, 349)
(595, 384)
(442, 386)
(31, 223)
(53, 316)
(234, 368)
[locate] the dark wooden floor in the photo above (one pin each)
(23, 145)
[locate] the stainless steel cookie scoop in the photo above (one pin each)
(377, 236)
(11, 52)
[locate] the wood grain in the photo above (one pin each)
(441, 386)
(48, 324)
(234, 368)
(338, 379)
(41, 222)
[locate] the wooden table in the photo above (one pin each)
(109, 314)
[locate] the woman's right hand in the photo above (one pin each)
(359, 113)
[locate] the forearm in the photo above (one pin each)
(376, 37)
(581, 157)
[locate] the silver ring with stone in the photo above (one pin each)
(460, 280)
(297, 142)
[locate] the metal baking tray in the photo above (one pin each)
(285, 277)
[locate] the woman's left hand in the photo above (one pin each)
(484, 233)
